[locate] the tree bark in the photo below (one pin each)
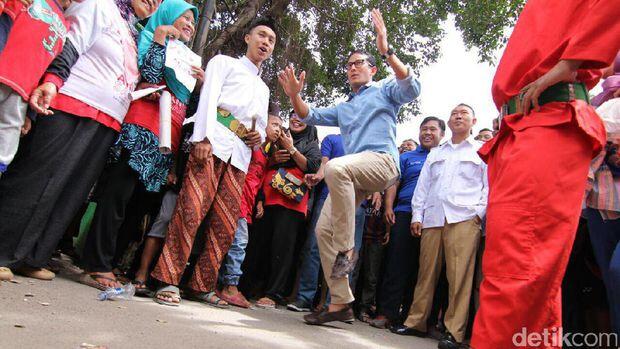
(246, 15)
(202, 31)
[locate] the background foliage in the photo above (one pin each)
(317, 35)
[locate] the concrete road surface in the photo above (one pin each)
(65, 314)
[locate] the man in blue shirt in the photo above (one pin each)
(403, 250)
(331, 148)
(367, 123)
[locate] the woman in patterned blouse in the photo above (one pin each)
(137, 164)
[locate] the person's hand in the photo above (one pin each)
(153, 96)
(199, 75)
(617, 93)
(42, 97)
(313, 179)
(26, 3)
(416, 229)
(165, 31)
(260, 210)
(477, 220)
(26, 127)
(286, 140)
(377, 20)
(389, 217)
(172, 178)
(563, 71)
(252, 139)
(376, 201)
(291, 85)
(281, 156)
(386, 237)
(202, 151)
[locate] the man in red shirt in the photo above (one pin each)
(538, 165)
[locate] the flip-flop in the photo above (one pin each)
(265, 305)
(237, 300)
(91, 280)
(210, 298)
(141, 289)
(170, 289)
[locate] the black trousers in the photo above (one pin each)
(118, 185)
(371, 258)
(48, 181)
(402, 260)
(283, 226)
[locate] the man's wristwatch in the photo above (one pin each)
(292, 151)
(387, 54)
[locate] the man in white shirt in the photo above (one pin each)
(448, 205)
(230, 120)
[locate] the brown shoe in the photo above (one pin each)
(35, 273)
(5, 274)
(343, 265)
(344, 315)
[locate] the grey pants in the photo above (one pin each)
(12, 117)
(160, 226)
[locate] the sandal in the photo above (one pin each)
(266, 305)
(92, 280)
(169, 291)
(238, 300)
(6, 274)
(211, 298)
(141, 289)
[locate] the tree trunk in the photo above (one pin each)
(202, 31)
(246, 15)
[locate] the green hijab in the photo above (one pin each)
(168, 12)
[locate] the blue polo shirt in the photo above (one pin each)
(331, 148)
(411, 164)
(367, 121)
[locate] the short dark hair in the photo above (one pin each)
(274, 109)
(266, 21)
(371, 59)
(485, 129)
(442, 124)
(473, 112)
(409, 140)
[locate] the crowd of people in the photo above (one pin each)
(239, 210)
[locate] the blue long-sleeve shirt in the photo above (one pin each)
(367, 120)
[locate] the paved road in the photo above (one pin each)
(65, 314)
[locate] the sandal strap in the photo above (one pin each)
(97, 276)
(212, 297)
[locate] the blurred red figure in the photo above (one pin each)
(538, 164)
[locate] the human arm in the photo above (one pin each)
(405, 88)
(390, 196)
(481, 208)
(420, 195)
(312, 179)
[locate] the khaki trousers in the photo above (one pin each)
(350, 179)
(459, 243)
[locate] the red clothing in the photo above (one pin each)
(253, 181)
(273, 197)
(145, 113)
(36, 38)
(533, 210)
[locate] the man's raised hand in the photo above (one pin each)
(377, 20)
(291, 84)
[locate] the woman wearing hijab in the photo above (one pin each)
(67, 149)
(286, 202)
(141, 166)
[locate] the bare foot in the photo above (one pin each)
(266, 302)
(106, 279)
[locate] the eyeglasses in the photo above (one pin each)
(358, 64)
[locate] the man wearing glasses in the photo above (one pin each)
(367, 122)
